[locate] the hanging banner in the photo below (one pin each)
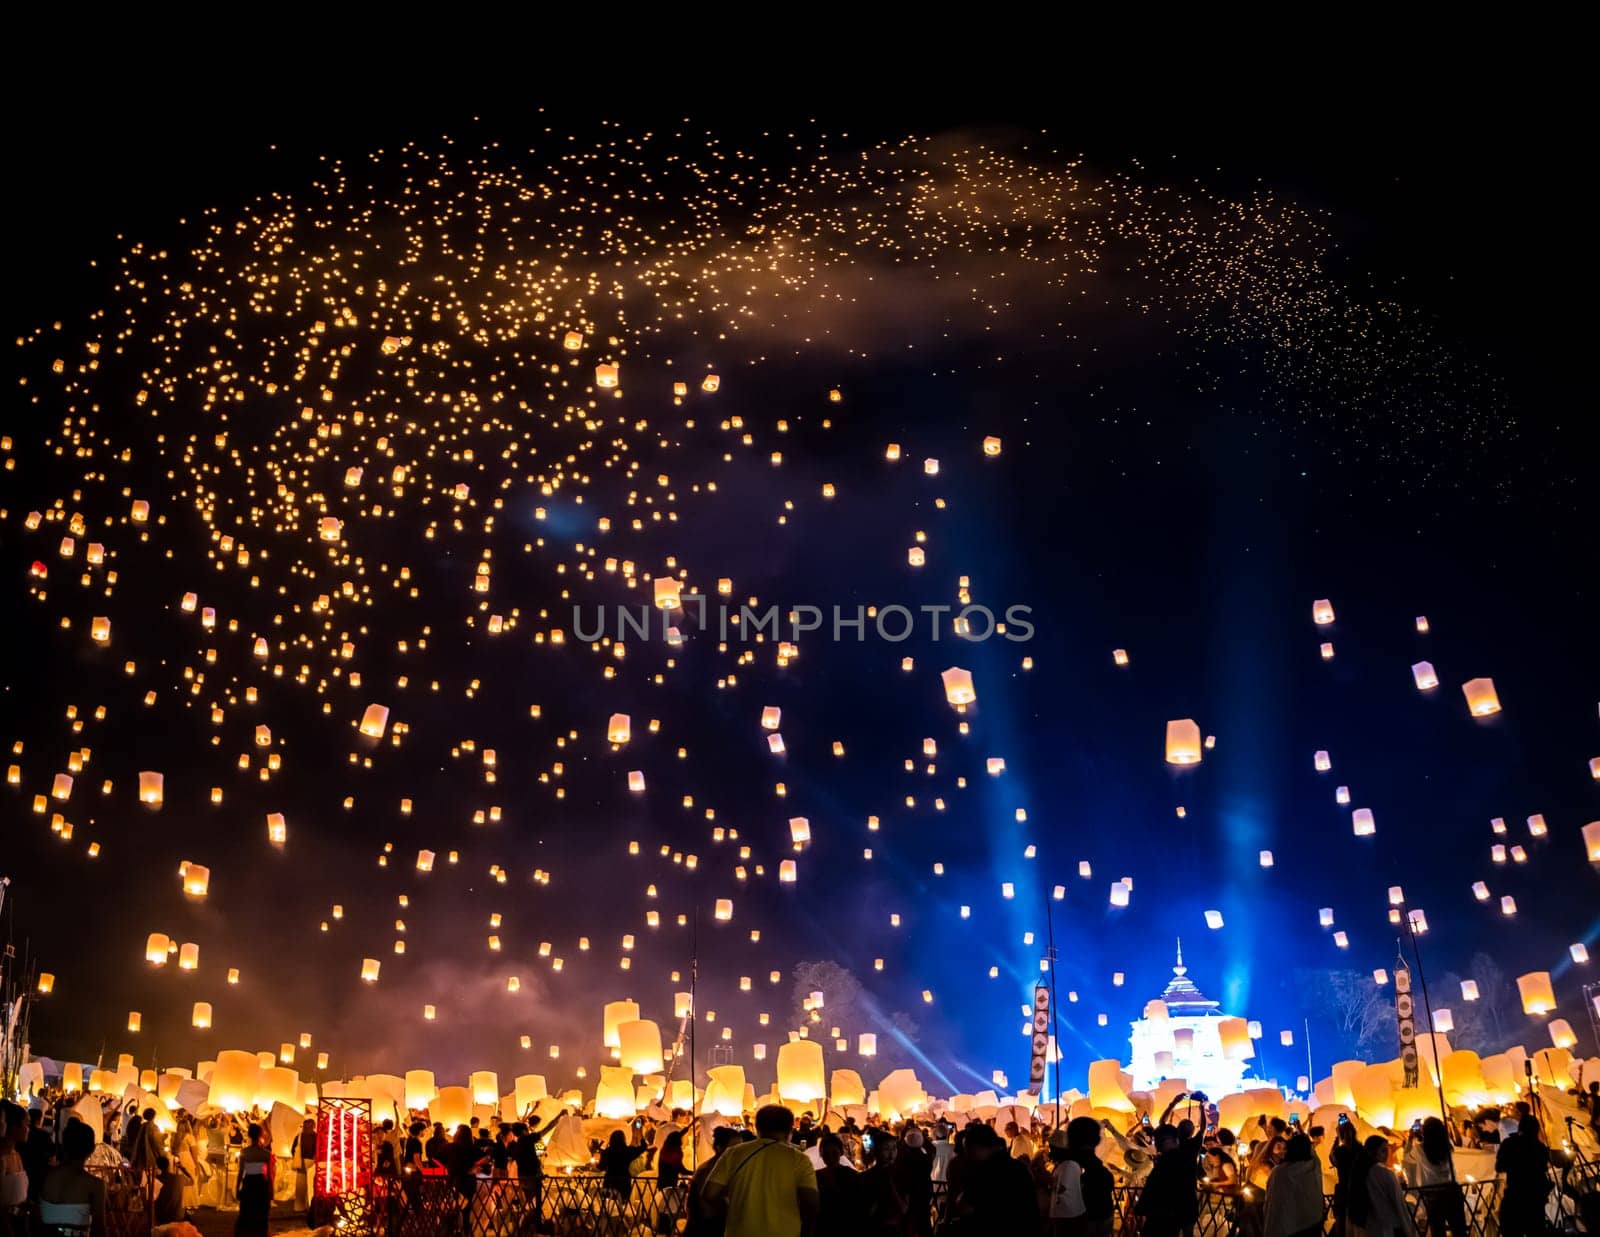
(1041, 1039)
(1405, 1014)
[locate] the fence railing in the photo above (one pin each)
(130, 1200)
(562, 1203)
(578, 1204)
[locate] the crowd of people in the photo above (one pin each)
(776, 1175)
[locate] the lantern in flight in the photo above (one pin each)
(958, 688)
(1183, 742)
(374, 721)
(1482, 699)
(1424, 677)
(369, 970)
(1538, 997)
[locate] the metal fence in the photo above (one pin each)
(130, 1200)
(579, 1205)
(566, 1204)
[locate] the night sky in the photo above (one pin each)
(1232, 374)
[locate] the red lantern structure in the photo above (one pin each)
(343, 1186)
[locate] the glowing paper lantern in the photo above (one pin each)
(452, 1106)
(1469, 990)
(640, 1044)
(1422, 673)
(1234, 1034)
(619, 729)
(47, 983)
(1183, 742)
(867, 1044)
(800, 1072)
(1538, 997)
(958, 688)
(1481, 697)
(188, 956)
(528, 1090)
(374, 721)
(724, 1090)
(1591, 840)
(485, 1087)
(425, 861)
(156, 947)
(151, 787)
(1213, 919)
(196, 880)
(1322, 761)
(420, 1088)
(799, 830)
(235, 1079)
(614, 1096)
(369, 970)
(723, 909)
(135, 1020)
(613, 1016)
(1361, 822)
(606, 377)
(1579, 951)
(1561, 1033)
(1322, 612)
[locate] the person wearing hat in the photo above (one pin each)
(1066, 1188)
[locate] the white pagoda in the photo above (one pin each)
(1178, 1038)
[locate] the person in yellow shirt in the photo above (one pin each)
(769, 1186)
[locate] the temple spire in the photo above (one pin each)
(1180, 968)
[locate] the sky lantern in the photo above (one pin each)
(1424, 677)
(1362, 823)
(668, 593)
(1538, 997)
(235, 1079)
(613, 1016)
(1322, 761)
(1469, 990)
(723, 909)
(420, 1088)
(528, 1090)
(619, 729)
(47, 983)
(374, 721)
(196, 880)
(1234, 1034)
(991, 446)
(573, 341)
(710, 383)
(1591, 840)
(156, 948)
(1213, 919)
(614, 1096)
(640, 1043)
(787, 871)
(330, 528)
(451, 1106)
(369, 970)
(1322, 612)
(800, 1071)
(1481, 697)
(1579, 952)
(425, 861)
(202, 1015)
(485, 1087)
(606, 375)
(1183, 742)
(771, 716)
(100, 630)
(151, 788)
(277, 829)
(799, 830)
(188, 956)
(1561, 1034)
(958, 688)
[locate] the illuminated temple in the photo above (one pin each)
(1180, 1036)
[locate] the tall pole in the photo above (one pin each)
(694, 1013)
(1433, 1036)
(1311, 1073)
(1055, 1038)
